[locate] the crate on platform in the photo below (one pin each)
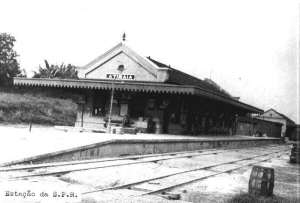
(261, 182)
(117, 130)
(128, 130)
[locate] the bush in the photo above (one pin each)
(56, 71)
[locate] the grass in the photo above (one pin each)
(18, 107)
(247, 198)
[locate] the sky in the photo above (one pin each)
(249, 47)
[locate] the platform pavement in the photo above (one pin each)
(18, 143)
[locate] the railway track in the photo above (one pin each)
(131, 161)
(164, 189)
(186, 172)
(133, 157)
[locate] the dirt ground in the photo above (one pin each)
(224, 187)
(219, 188)
(71, 187)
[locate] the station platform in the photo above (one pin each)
(47, 144)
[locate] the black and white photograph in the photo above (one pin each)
(150, 101)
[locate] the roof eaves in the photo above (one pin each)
(101, 56)
(281, 114)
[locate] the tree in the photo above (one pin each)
(9, 66)
(56, 71)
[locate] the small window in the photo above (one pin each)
(121, 68)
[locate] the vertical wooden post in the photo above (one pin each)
(252, 129)
(30, 125)
(236, 116)
(81, 103)
(82, 111)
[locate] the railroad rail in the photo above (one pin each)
(201, 178)
(188, 171)
(134, 157)
(186, 154)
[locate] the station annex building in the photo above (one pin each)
(122, 88)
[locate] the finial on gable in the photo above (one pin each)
(124, 37)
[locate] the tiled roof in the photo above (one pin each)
(179, 77)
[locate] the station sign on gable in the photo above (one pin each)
(121, 67)
(112, 76)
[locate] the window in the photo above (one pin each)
(124, 109)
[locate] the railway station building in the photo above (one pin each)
(121, 88)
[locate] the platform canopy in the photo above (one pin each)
(135, 86)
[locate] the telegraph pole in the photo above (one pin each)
(110, 107)
(120, 69)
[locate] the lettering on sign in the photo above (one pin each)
(120, 76)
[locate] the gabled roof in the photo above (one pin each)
(291, 122)
(120, 48)
(152, 66)
(175, 76)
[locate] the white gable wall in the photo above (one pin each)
(131, 66)
(272, 114)
(275, 117)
